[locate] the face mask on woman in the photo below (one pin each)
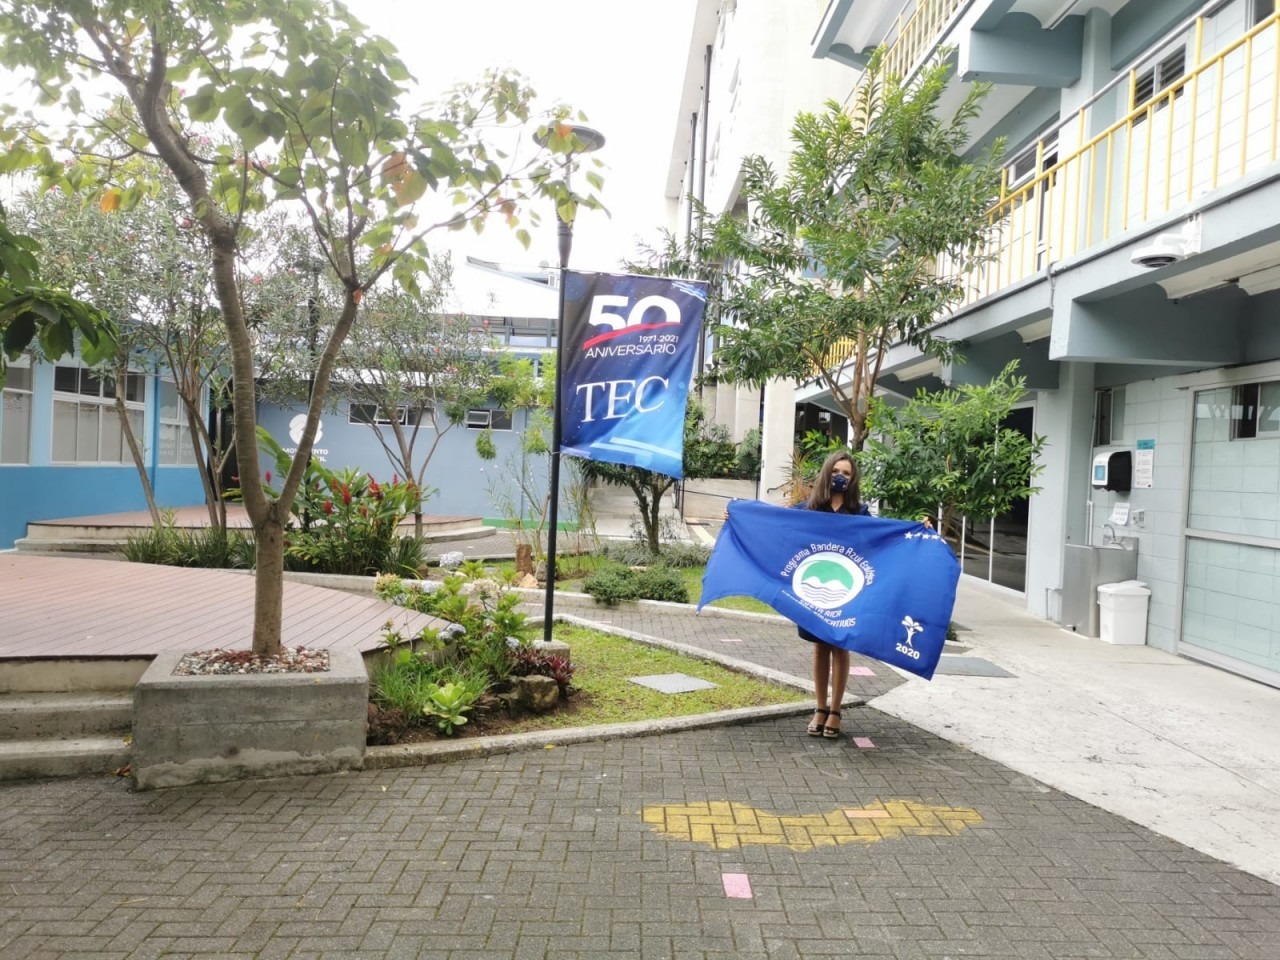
(839, 483)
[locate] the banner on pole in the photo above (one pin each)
(883, 588)
(629, 347)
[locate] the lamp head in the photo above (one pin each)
(590, 138)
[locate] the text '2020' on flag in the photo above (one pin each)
(882, 588)
(629, 347)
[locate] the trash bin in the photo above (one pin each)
(1122, 611)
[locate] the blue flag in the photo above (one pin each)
(628, 352)
(882, 588)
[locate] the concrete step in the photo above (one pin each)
(61, 716)
(30, 759)
(64, 545)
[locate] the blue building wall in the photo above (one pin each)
(464, 483)
(43, 490)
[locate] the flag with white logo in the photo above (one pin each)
(883, 588)
(629, 347)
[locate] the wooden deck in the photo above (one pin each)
(63, 607)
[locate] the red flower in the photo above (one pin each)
(328, 506)
(375, 489)
(346, 495)
(395, 478)
(268, 476)
(364, 511)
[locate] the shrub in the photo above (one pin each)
(609, 586)
(660, 583)
(210, 548)
(652, 583)
(685, 554)
(632, 553)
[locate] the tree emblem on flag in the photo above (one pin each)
(912, 629)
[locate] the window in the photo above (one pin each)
(175, 434)
(15, 420)
(1255, 410)
(1262, 9)
(488, 419)
(1108, 416)
(1157, 77)
(372, 413)
(86, 428)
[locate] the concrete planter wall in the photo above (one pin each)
(706, 498)
(206, 729)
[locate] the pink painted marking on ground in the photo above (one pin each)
(861, 672)
(737, 886)
(863, 743)
(866, 814)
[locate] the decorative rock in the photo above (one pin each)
(552, 648)
(527, 581)
(538, 694)
(524, 558)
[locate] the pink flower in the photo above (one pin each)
(268, 476)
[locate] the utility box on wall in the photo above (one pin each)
(1113, 470)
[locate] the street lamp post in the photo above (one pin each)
(590, 140)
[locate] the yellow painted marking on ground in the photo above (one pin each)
(728, 826)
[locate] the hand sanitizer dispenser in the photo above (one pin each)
(1113, 470)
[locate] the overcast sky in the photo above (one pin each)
(623, 72)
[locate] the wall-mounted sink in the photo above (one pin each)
(1085, 566)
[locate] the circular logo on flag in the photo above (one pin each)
(828, 580)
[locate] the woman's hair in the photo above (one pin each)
(820, 496)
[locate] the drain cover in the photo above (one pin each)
(673, 683)
(970, 667)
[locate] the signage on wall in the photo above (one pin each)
(296, 426)
(1144, 463)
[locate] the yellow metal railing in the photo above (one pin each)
(915, 36)
(1214, 125)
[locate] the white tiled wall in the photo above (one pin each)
(1154, 410)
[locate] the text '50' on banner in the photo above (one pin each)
(629, 347)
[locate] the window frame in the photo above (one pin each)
(10, 390)
(100, 401)
(375, 420)
(483, 418)
(1154, 77)
(1246, 411)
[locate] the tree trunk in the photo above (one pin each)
(268, 596)
(134, 451)
(417, 522)
(652, 523)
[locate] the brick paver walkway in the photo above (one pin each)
(624, 849)
(548, 854)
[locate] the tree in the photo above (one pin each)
(948, 451)
(708, 452)
(412, 366)
(147, 268)
(316, 109)
(864, 242)
(33, 313)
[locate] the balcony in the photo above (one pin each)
(1190, 123)
(913, 37)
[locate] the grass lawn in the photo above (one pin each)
(578, 568)
(605, 694)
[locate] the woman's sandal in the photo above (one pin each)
(829, 732)
(815, 728)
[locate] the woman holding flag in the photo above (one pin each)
(835, 490)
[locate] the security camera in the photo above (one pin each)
(1169, 248)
